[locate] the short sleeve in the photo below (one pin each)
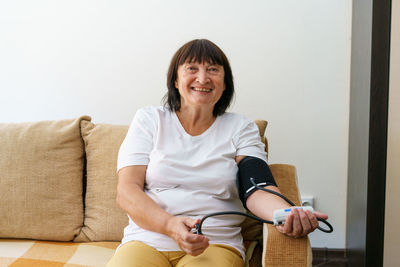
(138, 143)
(248, 142)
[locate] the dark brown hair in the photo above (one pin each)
(199, 50)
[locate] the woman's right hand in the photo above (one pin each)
(179, 230)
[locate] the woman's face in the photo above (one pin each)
(200, 84)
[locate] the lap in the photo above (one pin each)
(214, 255)
(138, 254)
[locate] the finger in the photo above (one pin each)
(321, 215)
(191, 223)
(313, 219)
(192, 238)
(288, 226)
(192, 247)
(195, 238)
(305, 222)
(198, 251)
(297, 228)
(281, 228)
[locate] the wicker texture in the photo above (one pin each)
(280, 250)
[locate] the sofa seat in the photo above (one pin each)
(26, 253)
(23, 253)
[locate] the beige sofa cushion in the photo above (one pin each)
(41, 167)
(104, 220)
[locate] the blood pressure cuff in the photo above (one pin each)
(258, 169)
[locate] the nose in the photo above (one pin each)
(202, 76)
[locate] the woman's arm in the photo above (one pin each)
(148, 215)
(298, 223)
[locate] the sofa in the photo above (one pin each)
(57, 198)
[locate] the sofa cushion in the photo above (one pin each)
(41, 167)
(104, 220)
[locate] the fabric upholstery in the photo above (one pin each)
(262, 126)
(41, 166)
(104, 220)
(28, 253)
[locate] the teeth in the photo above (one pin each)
(202, 89)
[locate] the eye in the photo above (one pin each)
(191, 68)
(213, 69)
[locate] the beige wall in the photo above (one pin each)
(392, 218)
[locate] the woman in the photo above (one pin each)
(179, 163)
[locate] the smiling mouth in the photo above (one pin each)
(198, 89)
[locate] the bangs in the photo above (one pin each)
(201, 51)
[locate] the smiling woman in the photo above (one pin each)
(179, 162)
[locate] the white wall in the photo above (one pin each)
(290, 59)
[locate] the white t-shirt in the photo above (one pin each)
(190, 175)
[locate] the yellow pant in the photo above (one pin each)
(138, 254)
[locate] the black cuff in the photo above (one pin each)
(258, 169)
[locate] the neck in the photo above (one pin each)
(195, 121)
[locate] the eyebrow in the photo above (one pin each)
(207, 64)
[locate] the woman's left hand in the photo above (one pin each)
(300, 223)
